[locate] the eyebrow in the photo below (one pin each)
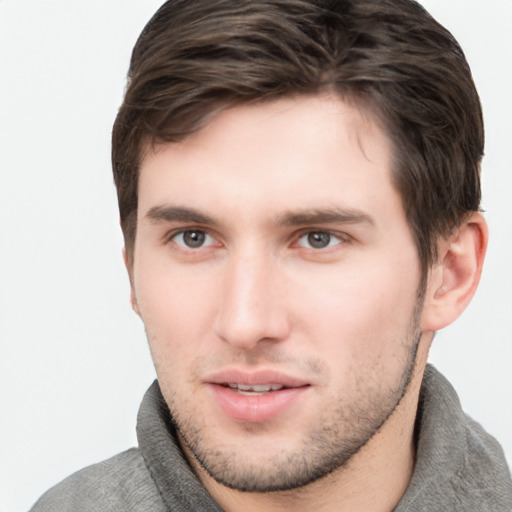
(158, 214)
(162, 213)
(325, 216)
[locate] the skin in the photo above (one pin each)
(273, 240)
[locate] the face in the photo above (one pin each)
(277, 279)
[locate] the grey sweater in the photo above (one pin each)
(459, 466)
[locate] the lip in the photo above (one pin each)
(256, 378)
(260, 407)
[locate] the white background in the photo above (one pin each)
(73, 357)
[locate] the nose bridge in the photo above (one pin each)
(252, 307)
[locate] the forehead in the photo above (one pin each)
(305, 151)
(311, 115)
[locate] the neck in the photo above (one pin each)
(374, 479)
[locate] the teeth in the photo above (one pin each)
(245, 387)
(262, 388)
(259, 388)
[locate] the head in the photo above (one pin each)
(289, 174)
(390, 57)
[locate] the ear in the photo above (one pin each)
(129, 268)
(454, 278)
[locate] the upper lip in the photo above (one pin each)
(255, 378)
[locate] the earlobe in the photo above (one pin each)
(133, 298)
(453, 280)
(133, 301)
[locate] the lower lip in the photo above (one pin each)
(258, 408)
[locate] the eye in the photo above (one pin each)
(192, 239)
(318, 240)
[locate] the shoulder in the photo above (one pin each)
(459, 466)
(122, 483)
(484, 474)
(481, 480)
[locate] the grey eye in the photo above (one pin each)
(193, 239)
(318, 240)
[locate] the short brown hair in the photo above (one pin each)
(198, 56)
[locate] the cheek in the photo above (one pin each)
(363, 333)
(175, 309)
(365, 310)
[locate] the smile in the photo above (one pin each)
(256, 397)
(259, 389)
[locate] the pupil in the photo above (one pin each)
(193, 238)
(319, 240)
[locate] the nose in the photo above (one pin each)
(252, 305)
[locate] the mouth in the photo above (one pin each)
(259, 381)
(256, 390)
(256, 397)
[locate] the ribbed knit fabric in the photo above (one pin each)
(459, 467)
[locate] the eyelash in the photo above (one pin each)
(171, 237)
(341, 238)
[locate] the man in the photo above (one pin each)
(299, 193)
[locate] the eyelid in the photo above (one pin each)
(342, 237)
(170, 235)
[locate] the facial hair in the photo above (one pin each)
(339, 432)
